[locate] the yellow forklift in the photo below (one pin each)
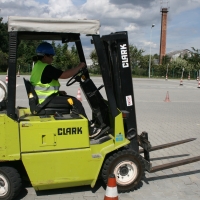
(50, 145)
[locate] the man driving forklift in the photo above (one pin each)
(44, 78)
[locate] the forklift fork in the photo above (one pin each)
(174, 164)
(145, 144)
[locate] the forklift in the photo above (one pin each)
(50, 146)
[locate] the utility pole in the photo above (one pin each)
(150, 51)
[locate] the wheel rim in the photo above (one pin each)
(3, 186)
(125, 172)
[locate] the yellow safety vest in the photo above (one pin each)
(42, 90)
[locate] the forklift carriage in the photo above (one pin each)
(50, 146)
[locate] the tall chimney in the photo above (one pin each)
(163, 34)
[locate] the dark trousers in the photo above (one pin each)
(62, 100)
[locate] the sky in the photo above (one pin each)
(134, 16)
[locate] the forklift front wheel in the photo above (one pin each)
(128, 168)
(10, 183)
(126, 172)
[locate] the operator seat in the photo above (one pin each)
(46, 107)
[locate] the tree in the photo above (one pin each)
(74, 56)
(58, 57)
(156, 56)
(3, 45)
(166, 60)
(65, 58)
(178, 65)
(95, 68)
(3, 61)
(135, 56)
(25, 53)
(165, 68)
(195, 58)
(3, 36)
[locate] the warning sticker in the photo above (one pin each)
(129, 101)
(119, 137)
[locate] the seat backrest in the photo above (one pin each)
(32, 96)
(30, 90)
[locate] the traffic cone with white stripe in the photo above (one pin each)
(7, 77)
(111, 190)
(79, 95)
(181, 82)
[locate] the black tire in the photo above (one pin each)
(128, 168)
(10, 183)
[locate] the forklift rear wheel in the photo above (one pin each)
(128, 168)
(10, 183)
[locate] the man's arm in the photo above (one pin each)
(70, 72)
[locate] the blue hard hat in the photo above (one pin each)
(45, 48)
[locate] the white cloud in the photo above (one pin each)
(148, 44)
(61, 8)
(21, 7)
(134, 16)
(131, 27)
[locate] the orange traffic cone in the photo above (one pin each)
(197, 78)
(188, 77)
(181, 82)
(167, 97)
(166, 78)
(111, 190)
(79, 95)
(198, 84)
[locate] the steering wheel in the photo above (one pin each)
(76, 77)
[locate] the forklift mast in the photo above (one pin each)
(12, 62)
(114, 61)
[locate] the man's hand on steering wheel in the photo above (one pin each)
(77, 77)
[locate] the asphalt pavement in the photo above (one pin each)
(166, 122)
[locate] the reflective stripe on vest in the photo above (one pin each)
(46, 88)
